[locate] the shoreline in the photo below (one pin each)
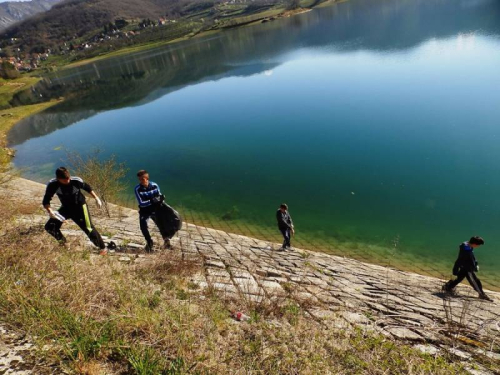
(282, 13)
(374, 256)
(242, 274)
(38, 187)
(243, 228)
(353, 250)
(11, 117)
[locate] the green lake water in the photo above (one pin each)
(377, 121)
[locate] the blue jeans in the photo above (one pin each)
(286, 236)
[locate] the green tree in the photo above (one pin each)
(8, 71)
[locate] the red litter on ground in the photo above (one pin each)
(239, 316)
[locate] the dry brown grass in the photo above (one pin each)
(103, 316)
(479, 343)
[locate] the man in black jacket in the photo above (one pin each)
(285, 224)
(466, 266)
(73, 207)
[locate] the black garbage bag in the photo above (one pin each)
(169, 221)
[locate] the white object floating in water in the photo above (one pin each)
(352, 193)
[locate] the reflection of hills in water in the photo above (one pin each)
(88, 96)
(145, 76)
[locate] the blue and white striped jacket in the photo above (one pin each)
(145, 194)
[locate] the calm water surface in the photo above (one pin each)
(377, 121)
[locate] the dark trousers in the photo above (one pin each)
(286, 236)
(471, 278)
(144, 216)
(80, 215)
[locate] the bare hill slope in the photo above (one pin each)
(15, 11)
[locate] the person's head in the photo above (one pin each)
(476, 241)
(283, 207)
(63, 176)
(143, 177)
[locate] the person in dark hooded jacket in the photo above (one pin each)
(466, 266)
(285, 225)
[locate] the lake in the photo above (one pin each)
(377, 121)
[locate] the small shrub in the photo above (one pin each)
(104, 176)
(7, 172)
(8, 71)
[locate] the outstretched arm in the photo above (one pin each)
(98, 201)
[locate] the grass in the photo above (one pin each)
(10, 87)
(123, 51)
(9, 117)
(98, 315)
(250, 18)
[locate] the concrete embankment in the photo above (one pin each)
(401, 305)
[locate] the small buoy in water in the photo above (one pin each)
(352, 193)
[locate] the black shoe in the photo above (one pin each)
(446, 288)
(149, 247)
(485, 297)
(166, 244)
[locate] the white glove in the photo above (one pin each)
(56, 215)
(52, 215)
(98, 201)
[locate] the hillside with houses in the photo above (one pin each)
(76, 30)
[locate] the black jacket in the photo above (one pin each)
(466, 259)
(70, 195)
(284, 219)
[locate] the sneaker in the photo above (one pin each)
(485, 297)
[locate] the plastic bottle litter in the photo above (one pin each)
(240, 317)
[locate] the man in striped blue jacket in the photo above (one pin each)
(145, 192)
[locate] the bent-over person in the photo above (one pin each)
(73, 206)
